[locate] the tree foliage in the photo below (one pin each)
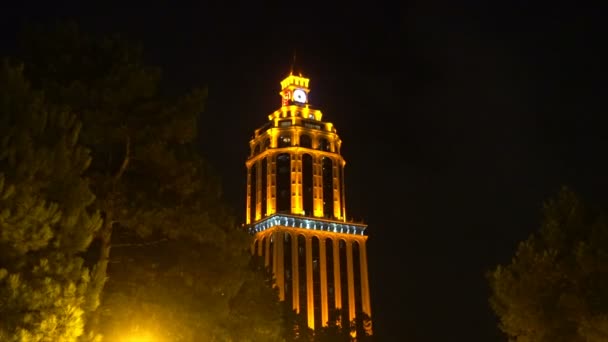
(179, 257)
(336, 329)
(554, 289)
(45, 216)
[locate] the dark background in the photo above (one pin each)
(457, 121)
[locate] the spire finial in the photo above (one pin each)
(293, 62)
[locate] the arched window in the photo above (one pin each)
(328, 188)
(253, 191)
(283, 182)
(264, 186)
(341, 195)
(284, 140)
(324, 145)
(305, 141)
(266, 144)
(307, 183)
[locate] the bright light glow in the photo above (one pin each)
(139, 337)
(137, 334)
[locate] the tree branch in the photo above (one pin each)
(143, 244)
(125, 161)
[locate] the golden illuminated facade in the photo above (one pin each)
(296, 210)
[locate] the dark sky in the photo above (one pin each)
(457, 122)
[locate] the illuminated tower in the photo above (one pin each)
(297, 213)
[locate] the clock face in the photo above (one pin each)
(299, 95)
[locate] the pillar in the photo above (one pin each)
(280, 263)
(310, 303)
(295, 273)
(337, 283)
(323, 274)
(260, 245)
(267, 253)
(366, 306)
(351, 280)
(258, 190)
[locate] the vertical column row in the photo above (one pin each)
(262, 246)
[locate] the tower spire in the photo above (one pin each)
(293, 62)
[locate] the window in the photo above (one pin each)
(328, 198)
(305, 141)
(264, 186)
(311, 125)
(307, 184)
(324, 145)
(283, 183)
(284, 123)
(254, 191)
(284, 141)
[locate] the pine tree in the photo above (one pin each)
(45, 217)
(161, 202)
(554, 288)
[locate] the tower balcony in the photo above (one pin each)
(309, 223)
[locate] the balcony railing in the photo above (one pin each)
(309, 223)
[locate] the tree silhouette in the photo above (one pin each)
(554, 289)
(46, 220)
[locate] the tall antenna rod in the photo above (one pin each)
(293, 63)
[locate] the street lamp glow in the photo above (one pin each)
(139, 337)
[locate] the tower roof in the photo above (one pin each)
(295, 81)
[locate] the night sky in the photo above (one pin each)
(457, 122)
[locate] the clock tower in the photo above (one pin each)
(297, 213)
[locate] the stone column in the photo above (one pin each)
(267, 254)
(365, 300)
(351, 280)
(260, 245)
(280, 261)
(323, 278)
(274, 252)
(317, 186)
(337, 283)
(310, 303)
(258, 191)
(295, 273)
(248, 217)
